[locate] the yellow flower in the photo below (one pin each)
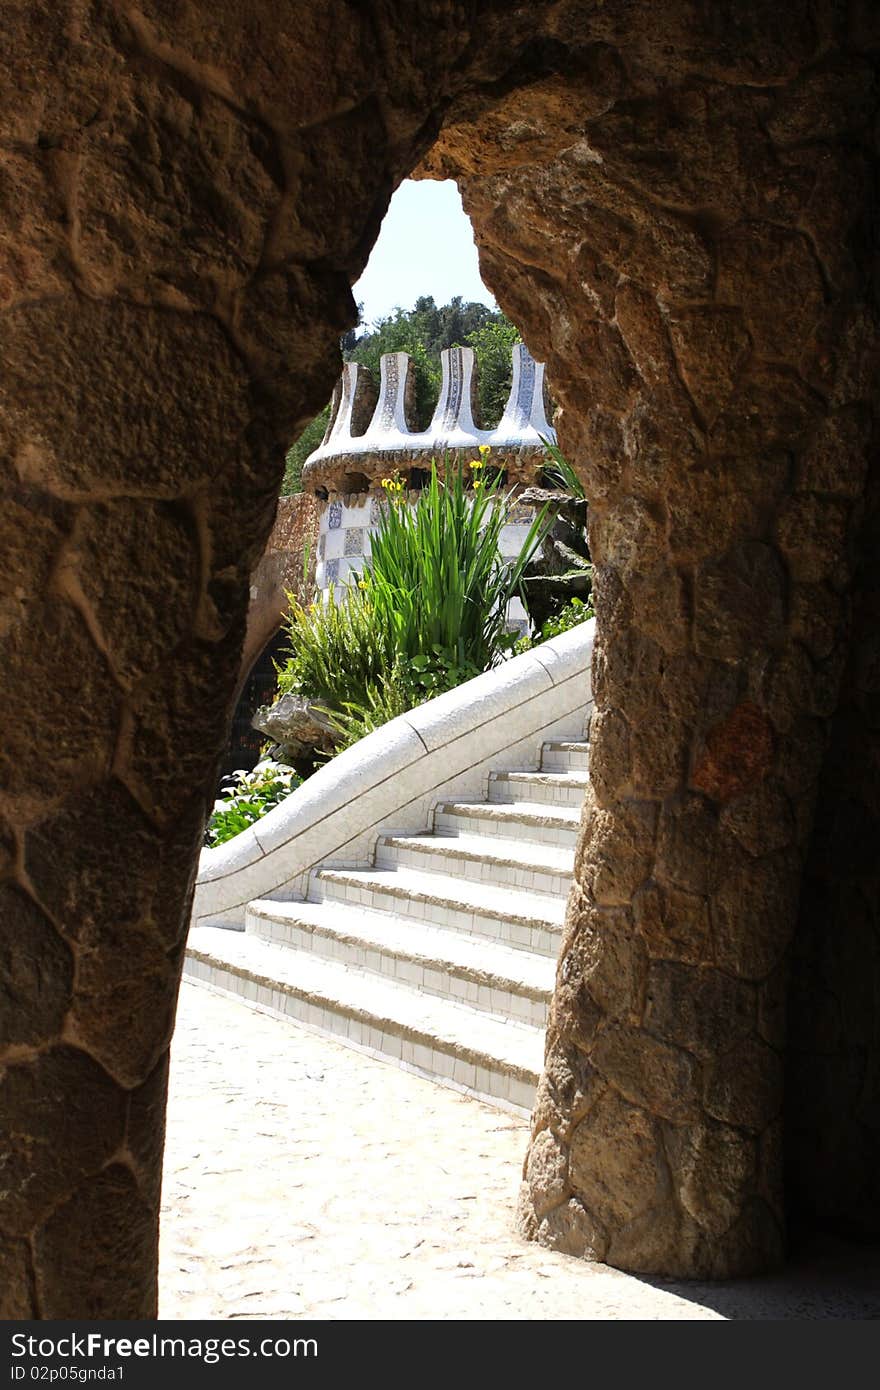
(483, 450)
(393, 486)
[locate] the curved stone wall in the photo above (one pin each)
(388, 442)
(349, 514)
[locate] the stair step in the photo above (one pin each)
(533, 821)
(530, 921)
(449, 964)
(507, 863)
(565, 757)
(552, 788)
(440, 1038)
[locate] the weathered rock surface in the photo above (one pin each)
(705, 365)
(675, 206)
(560, 571)
(299, 728)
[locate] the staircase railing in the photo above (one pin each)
(392, 779)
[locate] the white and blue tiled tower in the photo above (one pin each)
(360, 448)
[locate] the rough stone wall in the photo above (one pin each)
(832, 1084)
(689, 245)
(673, 195)
(186, 193)
(287, 565)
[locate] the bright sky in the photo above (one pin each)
(426, 246)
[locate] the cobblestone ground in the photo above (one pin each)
(303, 1179)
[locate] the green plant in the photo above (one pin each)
(559, 472)
(493, 344)
(574, 613)
(246, 797)
(429, 612)
(336, 651)
(436, 579)
(397, 693)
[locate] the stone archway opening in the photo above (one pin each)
(679, 217)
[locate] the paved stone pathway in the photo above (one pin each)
(303, 1179)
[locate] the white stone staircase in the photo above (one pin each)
(440, 955)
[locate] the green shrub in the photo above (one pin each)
(573, 614)
(336, 650)
(246, 797)
(436, 578)
(398, 692)
(429, 612)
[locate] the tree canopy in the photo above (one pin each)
(424, 331)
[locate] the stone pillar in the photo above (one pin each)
(453, 416)
(142, 454)
(832, 1080)
(713, 343)
(352, 407)
(170, 319)
(525, 415)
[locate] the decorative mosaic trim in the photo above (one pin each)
(322, 545)
(331, 572)
(388, 439)
(391, 383)
(378, 508)
(525, 391)
(453, 403)
(354, 540)
(334, 518)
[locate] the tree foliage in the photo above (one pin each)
(492, 343)
(424, 331)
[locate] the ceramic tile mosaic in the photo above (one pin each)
(354, 540)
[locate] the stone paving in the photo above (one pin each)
(306, 1180)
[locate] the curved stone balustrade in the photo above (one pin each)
(358, 445)
(395, 776)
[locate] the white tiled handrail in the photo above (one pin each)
(392, 779)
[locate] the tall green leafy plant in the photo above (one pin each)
(429, 611)
(559, 472)
(336, 650)
(436, 577)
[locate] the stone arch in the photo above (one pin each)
(678, 214)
